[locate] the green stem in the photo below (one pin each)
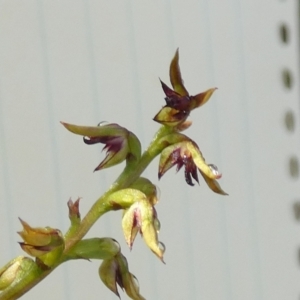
(77, 231)
(23, 286)
(130, 174)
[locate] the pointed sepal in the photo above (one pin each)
(108, 273)
(202, 98)
(175, 76)
(120, 144)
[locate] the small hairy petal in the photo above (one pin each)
(195, 174)
(188, 178)
(190, 170)
(179, 165)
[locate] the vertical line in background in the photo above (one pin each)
(135, 70)
(170, 26)
(96, 98)
(298, 18)
(187, 239)
(239, 33)
(91, 59)
(8, 199)
(51, 127)
(216, 128)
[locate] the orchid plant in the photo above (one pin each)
(136, 196)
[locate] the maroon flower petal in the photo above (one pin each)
(175, 100)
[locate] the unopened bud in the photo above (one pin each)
(45, 243)
(115, 272)
(15, 269)
(74, 213)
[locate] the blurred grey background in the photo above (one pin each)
(89, 61)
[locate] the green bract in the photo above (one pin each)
(95, 248)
